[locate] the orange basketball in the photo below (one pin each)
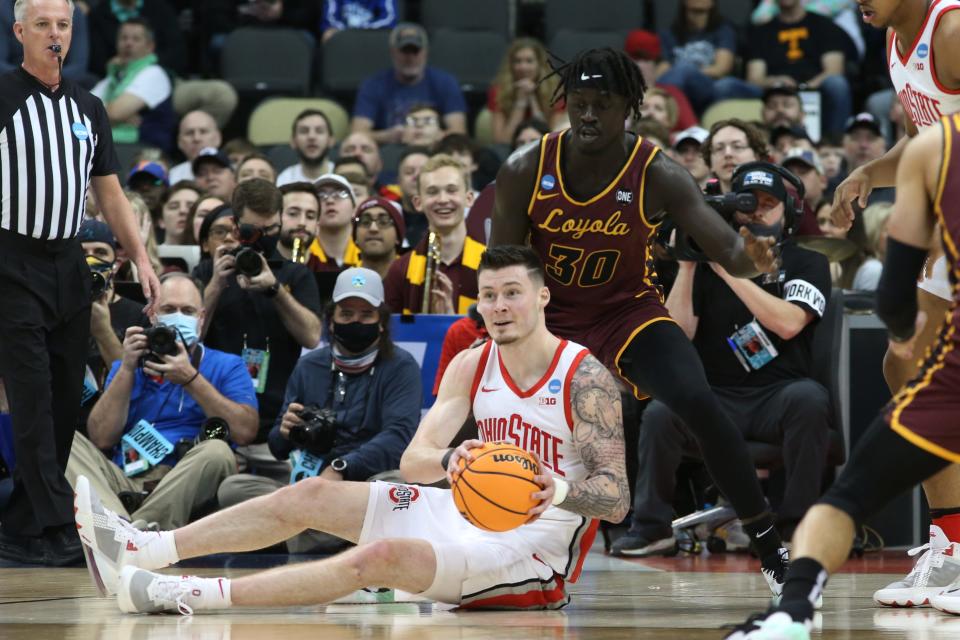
(493, 491)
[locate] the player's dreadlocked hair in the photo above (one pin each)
(605, 69)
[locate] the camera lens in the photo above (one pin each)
(98, 284)
(249, 263)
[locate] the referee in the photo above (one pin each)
(55, 143)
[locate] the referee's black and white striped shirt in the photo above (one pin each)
(51, 144)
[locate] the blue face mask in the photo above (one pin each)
(184, 324)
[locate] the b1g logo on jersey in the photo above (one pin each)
(548, 182)
(402, 495)
(624, 196)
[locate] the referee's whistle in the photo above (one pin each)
(55, 48)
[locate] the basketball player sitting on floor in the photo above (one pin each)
(546, 395)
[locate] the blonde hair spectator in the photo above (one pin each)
(521, 89)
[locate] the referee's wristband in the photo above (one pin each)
(560, 490)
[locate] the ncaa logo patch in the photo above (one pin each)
(758, 177)
(548, 182)
(554, 386)
(402, 496)
(79, 131)
(923, 50)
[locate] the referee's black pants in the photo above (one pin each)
(44, 332)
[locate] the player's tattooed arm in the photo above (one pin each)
(598, 437)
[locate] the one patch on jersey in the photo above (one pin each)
(797, 290)
(554, 386)
(923, 50)
(624, 196)
(758, 177)
(79, 131)
(548, 182)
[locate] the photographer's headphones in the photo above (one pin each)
(792, 204)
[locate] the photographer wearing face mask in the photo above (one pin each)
(259, 306)
(351, 407)
(111, 314)
(754, 337)
(155, 416)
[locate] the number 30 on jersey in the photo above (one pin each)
(572, 265)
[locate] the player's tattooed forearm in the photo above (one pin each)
(596, 497)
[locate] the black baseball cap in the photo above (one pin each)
(795, 131)
(762, 180)
(211, 154)
(863, 121)
(780, 90)
(96, 231)
(408, 35)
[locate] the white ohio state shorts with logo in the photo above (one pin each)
(520, 569)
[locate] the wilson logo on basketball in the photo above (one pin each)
(402, 496)
(526, 463)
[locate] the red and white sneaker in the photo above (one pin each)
(143, 591)
(936, 570)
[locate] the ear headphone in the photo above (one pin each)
(793, 205)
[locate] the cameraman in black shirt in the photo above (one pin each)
(754, 337)
(266, 317)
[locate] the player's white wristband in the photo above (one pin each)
(560, 490)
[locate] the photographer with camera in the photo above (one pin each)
(754, 337)
(351, 407)
(162, 415)
(259, 306)
(111, 314)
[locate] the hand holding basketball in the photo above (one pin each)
(495, 487)
(455, 466)
(545, 495)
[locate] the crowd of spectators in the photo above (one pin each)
(276, 261)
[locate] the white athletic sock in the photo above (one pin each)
(214, 594)
(156, 550)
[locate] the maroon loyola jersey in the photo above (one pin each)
(597, 254)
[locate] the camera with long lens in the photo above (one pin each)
(161, 341)
(101, 273)
(684, 247)
(318, 433)
(248, 255)
(213, 428)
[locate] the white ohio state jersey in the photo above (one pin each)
(914, 76)
(539, 419)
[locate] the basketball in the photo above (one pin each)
(493, 491)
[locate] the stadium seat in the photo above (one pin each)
(468, 15)
(267, 60)
(596, 15)
(567, 42)
(473, 57)
(126, 152)
(351, 56)
(745, 109)
(282, 156)
(270, 122)
(483, 128)
(737, 12)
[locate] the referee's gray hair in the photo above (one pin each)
(20, 9)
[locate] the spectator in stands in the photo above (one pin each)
(730, 143)
(411, 161)
(384, 99)
(351, 164)
(291, 14)
(358, 182)
(298, 219)
(806, 165)
(422, 126)
(782, 107)
(312, 138)
(356, 14)
(463, 148)
(698, 49)
(256, 165)
(465, 333)
(522, 89)
(219, 229)
(644, 48)
(126, 270)
(652, 130)
(213, 172)
(334, 249)
(862, 141)
(528, 131)
(78, 56)
(769, 393)
(105, 20)
(197, 214)
(363, 146)
(372, 386)
(875, 219)
(268, 318)
(660, 105)
(833, 159)
(782, 139)
(378, 231)
(443, 195)
(198, 130)
(799, 49)
(111, 314)
(149, 179)
(137, 91)
(688, 148)
(237, 149)
(175, 212)
(197, 384)
(825, 222)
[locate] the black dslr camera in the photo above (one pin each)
(161, 341)
(725, 204)
(249, 262)
(318, 433)
(101, 272)
(213, 428)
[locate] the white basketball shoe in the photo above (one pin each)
(936, 570)
(143, 591)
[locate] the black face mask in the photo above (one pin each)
(758, 229)
(356, 337)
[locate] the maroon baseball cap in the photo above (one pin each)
(376, 202)
(642, 45)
